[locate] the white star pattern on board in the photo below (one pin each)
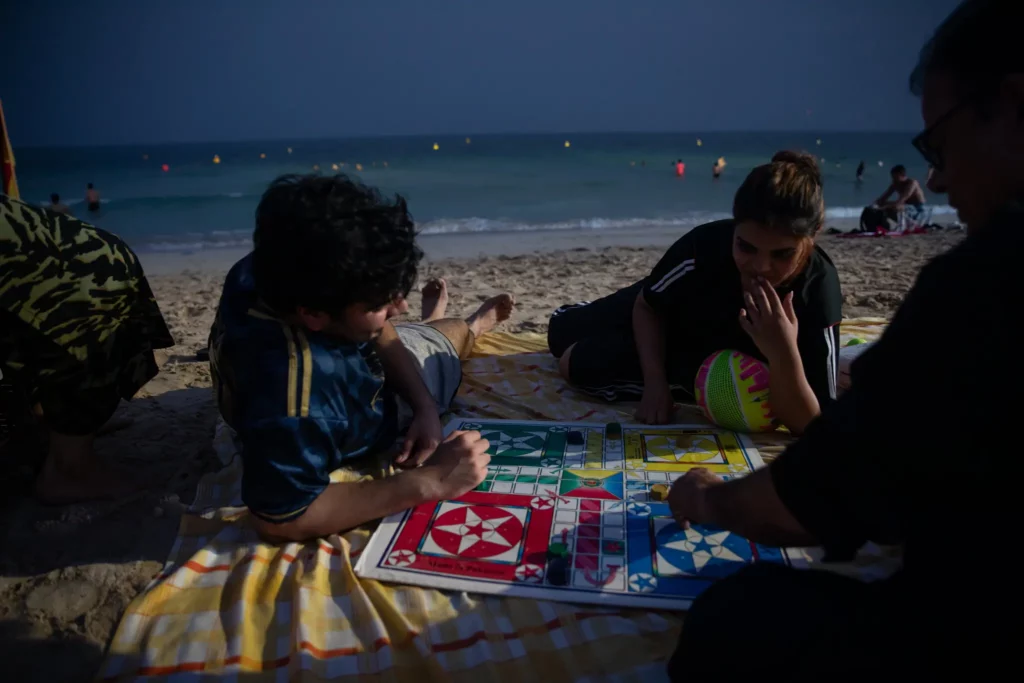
(642, 583)
(703, 547)
(506, 442)
(529, 573)
(474, 530)
(639, 509)
(401, 558)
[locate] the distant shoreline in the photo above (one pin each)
(454, 246)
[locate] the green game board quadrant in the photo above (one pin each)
(522, 444)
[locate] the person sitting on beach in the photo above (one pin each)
(313, 377)
(920, 452)
(57, 205)
(78, 326)
(756, 283)
(92, 198)
(909, 197)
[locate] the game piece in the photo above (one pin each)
(556, 550)
(556, 521)
(576, 438)
(558, 571)
(659, 492)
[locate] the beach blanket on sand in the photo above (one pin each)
(233, 608)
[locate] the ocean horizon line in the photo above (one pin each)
(459, 136)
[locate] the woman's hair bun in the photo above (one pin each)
(802, 160)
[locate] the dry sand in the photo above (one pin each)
(67, 574)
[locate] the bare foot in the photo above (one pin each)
(435, 299)
(96, 482)
(493, 311)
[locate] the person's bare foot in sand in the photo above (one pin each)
(493, 311)
(435, 299)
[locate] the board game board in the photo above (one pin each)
(583, 488)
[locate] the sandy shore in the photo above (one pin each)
(67, 574)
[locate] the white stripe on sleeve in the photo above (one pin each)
(673, 275)
(832, 361)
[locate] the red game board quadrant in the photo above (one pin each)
(473, 530)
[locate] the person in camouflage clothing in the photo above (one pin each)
(78, 326)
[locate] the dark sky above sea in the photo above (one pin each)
(124, 71)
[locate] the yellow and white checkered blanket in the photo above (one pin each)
(231, 607)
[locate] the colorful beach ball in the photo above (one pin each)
(732, 390)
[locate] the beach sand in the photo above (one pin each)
(67, 574)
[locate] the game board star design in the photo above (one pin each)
(529, 573)
(703, 551)
(642, 583)
(639, 509)
(666, 449)
(503, 443)
(476, 531)
(401, 558)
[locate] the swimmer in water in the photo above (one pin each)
(92, 198)
(680, 168)
(860, 172)
(56, 205)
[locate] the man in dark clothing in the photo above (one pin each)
(938, 474)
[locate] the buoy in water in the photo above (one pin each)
(881, 164)
(436, 146)
(165, 168)
(699, 142)
(262, 155)
(216, 158)
(359, 167)
(567, 144)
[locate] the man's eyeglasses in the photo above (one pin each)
(922, 142)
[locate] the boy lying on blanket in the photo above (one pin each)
(311, 375)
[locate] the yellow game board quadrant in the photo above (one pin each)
(678, 450)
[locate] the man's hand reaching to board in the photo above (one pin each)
(421, 439)
(458, 466)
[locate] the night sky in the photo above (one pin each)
(133, 71)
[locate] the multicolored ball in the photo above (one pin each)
(732, 390)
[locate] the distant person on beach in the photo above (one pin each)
(312, 376)
(907, 190)
(756, 283)
(909, 198)
(860, 172)
(919, 453)
(92, 198)
(680, 168)
(78, 326)
(56, 205)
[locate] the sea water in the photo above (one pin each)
(482, 184)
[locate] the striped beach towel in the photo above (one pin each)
(230, 606)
